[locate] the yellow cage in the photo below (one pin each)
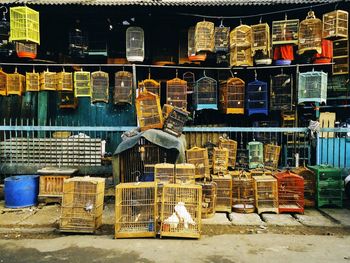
(99, 86)
(3, 83)
(240, 46)
(335, 24)
(150, 85)
(243, 199)
(231, 146)
(231, 95)
(224, 192)
(271, 156)
(261, 39)
(176, 93)
(310, 34)
(48, 80)
(285, 32)
(15, 83)
(220, 160)
(204, 37)
(32, 81)
(164, 173)
(185, 173)
(266, 194)
(64, 81)
(209, 195)
(82, 85)
(199, 157)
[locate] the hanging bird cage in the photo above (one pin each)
(231, 146)
(335, 24)
(185, 173)
(340, 64)
(261, 48)
(285, 32)
(149, 113)
(310, 34)
(99, 86)
(135, 210)
(256, 154)
(240, 46)
(326, 54)
(3, 83)
(176, 90)
(222, 39)
(257, 98)
(224, 192)
(24, 24)
(309, 185)
(242, 159)
(271, 156)
(82, 85)
(48, 80)
(243, 199)
(78, 42)
(220, 160)
(135, 44)
(266, 194)
(32, 81)
(209, 192)
(199, 157)
(175, 121)
(15, 83)
(290, 192)
(6, 47)
(190, 80)
(281, 92)
(67, 100)
(206, 94)
(231, 94)
(181, 211)
(64, 81)
(312, 87)
(26, 50)
(204, 37)
(150, 85)
(123, 86)
(164, 173)
(191, 52)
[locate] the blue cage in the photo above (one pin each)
(257, 98)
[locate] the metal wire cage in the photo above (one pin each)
(3, 83)
(78, 43)
(231, 146)
(82, 84)
(164, 173)
(99, 86)
(340, 64)
(67, 100)
(231, 93)
(205, 96)
(281, 92)
(204, 37)
(266, 194)
(135, 44)
(135, 210)
(6, 47)
(240, 46)
(257, 98)
(335, 24)
(243, 198)
(175, 121)
(271, 155)
(285, 32)
(64, 81)
(123, 86)
(32, 81)
(220, 160)
(48, 80)
(256, 154)
(309, 185)
(209, 192)
(189, 77)
(222, 38)
(224, 192)
(199, 157)
(181, 211)
(310, 34)
(185, 173)
(150, 85)
(26, 49)
(15, 83)
(261, 39)
(176, 90)
(312, 87)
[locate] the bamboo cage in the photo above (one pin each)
(220, 160)
(3, 83)
(243, 198)
(166, 110)
(150, 85)
(310, 34)
(181, 211)
(224, 192)
(231, 146)
(123, 87)
(204, 37)
(175, 121)
(48, 80)
(205, 96)
(64, 81)
(99, 86)
(164, 173)
(26, 50)
(82, 84)
(240, 46)
(32, 81)
(222, 39)
(271, 156)
(231, 95)
(177, 93)
(285, 32)
(199, 157)
(256, 154)
(185, 173)
(135, 210)
(209, 192)
(261, 39)
(15, 83)
(266, 194)
(260, 172)
(189, 77)
(309, 185)
(242, 158)
(82, 204)
(257, 98)
(312, 87)
(340, 64)
(281, 92)
(135, 44)
(335, 24)
(67, 100)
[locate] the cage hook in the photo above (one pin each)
(205, 75)
(336, 6)
(222, 22)
(4, 12)
(63, 69)
(99, 68)
(260, 20)
(285, 16)
(281, 71)
(149, 73)
(232, 74)
(177, 73)
(123, 68)
(240, 21)
(255, 74)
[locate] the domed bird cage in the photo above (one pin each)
(205, 96)
(204, 37)
(209, 192)
(6, 47)
(309, 185)
(257, 97)
(220, 160)
(231, 93)
(290, 192)
(266, 194)
(243, 199)
(99, 86)
(78, 42)
(340, 64)
(326, 54)
(261, 49)
(3, 83)
(310, 34)
(199, 157)
(82, 84)
(175, 121)
(256, 154)
(176, 93)
(150, 85)
(164, 173)
(185, 173)
(189, 77)
(48, 80)
(231, 146)
(15, 83)
(285, 32)
(312, 87)
(32, 81)
(123, 87)
(26, 49)
(135, 44)
(281, 92)
(64, 81)
(224, 192)
(191, 50)
(271, 156)
(335, 24)
(240, 46)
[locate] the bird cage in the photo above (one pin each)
(191, 81)
(326, 54)
(340, 64)
(281, 92)
(149, 113)
(257, 98)
(64, 81)
(164, 173)
(82, 204)
(67, 100)
(15, 83)
(32, 81)
(222, 39)
(135, 210)
(135, 44)
(185, 173)
(261, 38)
(271, 155)
(285, 32)
(48, 80)
(199, 157)
(240, 46)
(232, 96)
(123, 87)
(24, 24)
(242, 157)
(220, 160)
(181, 211)
(176, 93)
(309, 185)
(243, 193)
(310, 34)
(99, 86)
(260, 172)
(150, 85)
(290, 192)
(335, 24)
(78, 42)
(26, 50)
(175, 121)
(204, 37)
(209, 192)
(231, 146)
(6, 47)
(191, 51)
(3, 83)
(256, 154)
(224, 193)
(205, 96)
(82, 85)
(266, 194)
(312, 87)
(240, 56)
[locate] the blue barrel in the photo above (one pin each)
(21, 190)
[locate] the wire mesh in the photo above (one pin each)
(224, 192)
(177, 93)
(123, 87)
(257, 98)
(243, 198)
(281, 92)
(285, 32)
(231, 146)
(266, 194)
(149, 113)
(185, 173)
(99, 86)
(199, 158)
(335, 24)
(206, 94)
(135, 44)
(312, 87)
(310, 34)
(204, 37)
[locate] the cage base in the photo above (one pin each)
(206, 107)
(241, 208)
(180, 234)
(267, 210)
(290, 209)
(134, 235)
(234, 111)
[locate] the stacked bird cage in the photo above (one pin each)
(175, 121)
(290, 192)
(3, 83)
(335, 24)
(150, 85)
(220, 160)
(64, 81)
(164, 173)
(231, 95)
(48, 80)
(224, 192)
(310, 34)
(340, 64)
(82, 85)
(261, 49)
(257, 98)
(189, 77)
(309, 185)
(185, 173)
(243, 193)
(209, 192)
(266, 194)
(271, 156)
(256, 154)
(204, 37)
(99, 86)
(281, 92)
(15, 83)
(199, 157)
(205, 96)
(181, 211)
(32, 81)
(231, 146)
(123, 86)
(135, 44)
(240, 46)
(26, 50)
(177, 93)
(312, 87)
(82, 204)
(135, 210)
(6, 47)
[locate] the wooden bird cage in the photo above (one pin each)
(3, 83)
(281, 92)
(166, 110)
(285, 32)
(199, 157)
(290, 192)
(150, 85)
(209, 192)
(135, 44)
(240, 56)
(191, 52)
(78, 42)
(271, 155)
(6, 47)
(164, 173)
(335, 24)
(222, 39)
(231, 95)
(135, 210)
(240, 46)
(204, 37)
(266, 194)
(176, 93)
(261, 39)
(309, 185)
(260, 172)
(149, 113)
(82, 84)
(32, 81)
(26, 50)
(82, 204)
(48, 80)
(99, 86)
(224, 192)
(312, 87)
(340, 64)
(310, 34)
(24, 24)
(185, 173)
(175, 121)
(231, 146)
(257, 98)
(256, 154)
(220, 160)
(64, 81)
(205, 96)
(189, 77)
(67, 100)
(243, 198)
(181, 211)
(123, 87)
(15, 83)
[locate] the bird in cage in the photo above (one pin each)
(310, 34)
(261, 44)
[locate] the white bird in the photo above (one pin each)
(172, 220)
(184, 215)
